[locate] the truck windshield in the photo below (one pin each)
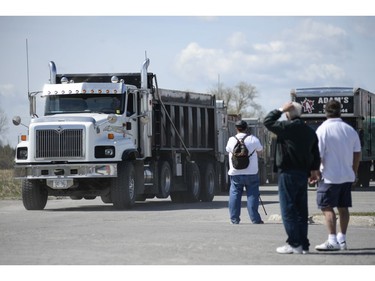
(84, 103)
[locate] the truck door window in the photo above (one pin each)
(130, 107)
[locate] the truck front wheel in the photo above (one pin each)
(123, 186)
(34, 195)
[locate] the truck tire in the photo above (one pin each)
(165, 183)
(225, 180)
(34, 195)
(123, 186)
(208, 183)
(193, 182)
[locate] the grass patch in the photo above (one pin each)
(10, 188)
(363, 214)
(353, 214)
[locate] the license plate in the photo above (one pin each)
(60, 183)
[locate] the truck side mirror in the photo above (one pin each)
(16, 120)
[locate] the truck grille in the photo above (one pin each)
(59, 143)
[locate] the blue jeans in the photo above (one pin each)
(294, 207)
(237, 184)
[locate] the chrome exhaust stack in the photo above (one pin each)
(144, 84)
(52, 72)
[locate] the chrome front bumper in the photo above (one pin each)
(65, 171)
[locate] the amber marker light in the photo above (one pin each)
(111, 136)
(23, 138)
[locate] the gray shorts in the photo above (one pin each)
(334, 195)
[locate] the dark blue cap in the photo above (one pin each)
(241, 124)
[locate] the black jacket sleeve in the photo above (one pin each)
(271, 123)
(296, 143)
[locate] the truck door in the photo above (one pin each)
(131, 113)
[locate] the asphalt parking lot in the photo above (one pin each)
(159, 232)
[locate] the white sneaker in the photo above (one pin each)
(341, 240)
(326, 246)
(287, 249)
(343, 246)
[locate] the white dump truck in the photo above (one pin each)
(120, 137)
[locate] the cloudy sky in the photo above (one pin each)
(273, 53)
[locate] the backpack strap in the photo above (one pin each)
(252, 153)
(243, 140)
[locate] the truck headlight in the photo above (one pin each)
(109, 152)
(105, 152)
(22, 153)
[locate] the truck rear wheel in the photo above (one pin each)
(193, 182)
(165, 183)
(208, 183)
(34, 195)
(364, 174)
(123, 186)
(226, 182)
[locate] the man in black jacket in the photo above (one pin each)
(297, 159)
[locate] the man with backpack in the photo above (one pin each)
(243, 152)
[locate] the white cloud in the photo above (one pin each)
(271, 47)
(318, 39)
(311, 51)
(311, 31)
(6, 91)
(237, 40)
(327, 72)
(195, 61)
(364, 26)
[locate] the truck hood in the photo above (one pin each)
(94, 118)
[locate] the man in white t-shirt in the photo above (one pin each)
(247, 177)
(340, 151)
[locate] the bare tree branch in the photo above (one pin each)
(240, 99)
(3, 123)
